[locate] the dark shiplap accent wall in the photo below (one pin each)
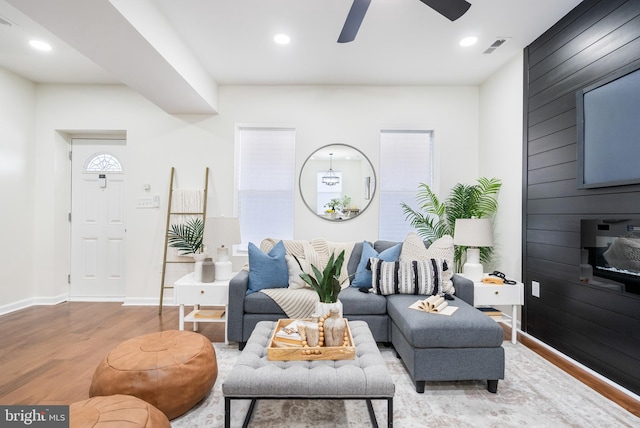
(599, 328)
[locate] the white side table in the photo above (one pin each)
(190, 292)
(496, 295)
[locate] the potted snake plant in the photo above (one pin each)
(326, 283)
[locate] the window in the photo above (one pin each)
(265, 160)
(103, 162)
(406, 160)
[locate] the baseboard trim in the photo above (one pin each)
(43, 301)
(94, 299)
(147, 301)
(581, 366)
(25, 303)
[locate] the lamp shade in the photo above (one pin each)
(224, 231)
(473, 232)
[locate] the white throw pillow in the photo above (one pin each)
(413, 249)
(295, 282)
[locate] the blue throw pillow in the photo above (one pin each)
(267, 270)
(362, 278)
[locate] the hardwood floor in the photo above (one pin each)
(48, 353)
(603, 388)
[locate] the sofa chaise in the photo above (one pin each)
(464, 346)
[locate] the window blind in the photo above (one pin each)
(406, 160)
(266, 180)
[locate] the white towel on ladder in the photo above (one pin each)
(186, 201)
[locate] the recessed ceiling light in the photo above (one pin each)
(281, 39)
(468, 41)
(40, 45)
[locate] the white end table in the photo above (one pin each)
(496, 295)
(196, 293)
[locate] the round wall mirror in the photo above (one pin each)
(337, 182)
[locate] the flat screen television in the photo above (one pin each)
(608, 130)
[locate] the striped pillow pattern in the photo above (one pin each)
(409, 277)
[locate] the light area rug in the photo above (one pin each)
(534, 393)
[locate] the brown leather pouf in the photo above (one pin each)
(116, 411)
(172, 370)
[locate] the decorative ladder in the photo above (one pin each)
(170, 214)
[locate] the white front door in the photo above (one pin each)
(97, 220)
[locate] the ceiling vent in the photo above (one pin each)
(495, 45)
(5, 21)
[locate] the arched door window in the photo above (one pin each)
(103, 162)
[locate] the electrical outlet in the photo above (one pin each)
(535, 288)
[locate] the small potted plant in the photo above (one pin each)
(187, 237)
(331, 207)
(346, 200)
(335, 205)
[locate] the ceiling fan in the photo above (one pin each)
(450, 9)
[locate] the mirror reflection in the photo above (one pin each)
(337, 182)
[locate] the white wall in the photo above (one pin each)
(355, 115)
(501, 156)
(17, 151)
(156, 141)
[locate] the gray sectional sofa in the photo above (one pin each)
(464, 346)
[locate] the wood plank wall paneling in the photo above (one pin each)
(604, 36)
(596, 326)
(589, 12)
(561, 105)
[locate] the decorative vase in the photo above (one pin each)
(197, 268)
(323, 309)
(334, 328)
(208, 270)
(313, 333)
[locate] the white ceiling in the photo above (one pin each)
(177, 52)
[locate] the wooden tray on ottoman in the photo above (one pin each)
(286, 350)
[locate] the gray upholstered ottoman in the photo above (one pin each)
(255, 377)
(464, 346)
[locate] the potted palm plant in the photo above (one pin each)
(434, 218)
(326, 283)
(187, 237)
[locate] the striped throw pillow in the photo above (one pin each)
(408, 277)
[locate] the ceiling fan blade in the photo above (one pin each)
(450, 9)
(354, 19)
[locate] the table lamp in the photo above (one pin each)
(224, 231)
(473, 233)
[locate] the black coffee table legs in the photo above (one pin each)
(247, 418)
